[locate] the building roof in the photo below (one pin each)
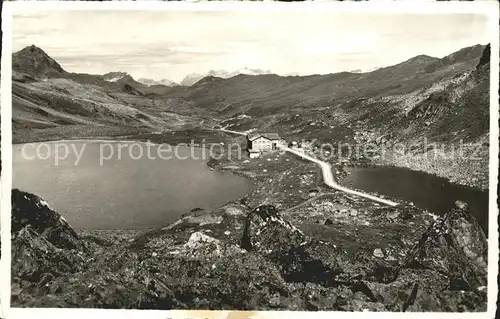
(270, 136)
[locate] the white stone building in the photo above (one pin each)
(259, 143)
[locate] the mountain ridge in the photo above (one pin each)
(191, 79)
(35, 61)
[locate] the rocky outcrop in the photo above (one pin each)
(300, 259)
(445, 270)
(37, 260)
(35, 61)
(237, 258)
(44, 246)
(486, 57)
(30, 210)
(456, 246)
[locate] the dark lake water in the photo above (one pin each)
(427, 191)
(126, 191)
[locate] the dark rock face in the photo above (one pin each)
(44, 246)
(35, 61)
(30, 210)
(445, 270)
(486, 57)
(455, 245)
(300, 258)
(237, 258)
(35, 259)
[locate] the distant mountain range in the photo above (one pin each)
(150, 82)
(188, 80)
(192, 78)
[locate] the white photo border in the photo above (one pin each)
(488, 8)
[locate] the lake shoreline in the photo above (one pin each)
(213, 245)
(456, 178)
(437, 168)
(452, 171)
(207, 188)
(423, 171)
(254, 174)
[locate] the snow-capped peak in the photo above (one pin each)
(115, 76)
(192, 78)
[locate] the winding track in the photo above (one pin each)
(326, 169)
(232, 132)
(330, 181)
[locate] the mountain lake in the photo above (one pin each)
(430, 192)
(132, 192)
(126, 192)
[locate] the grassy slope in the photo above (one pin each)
(56, 107)
(51, 103)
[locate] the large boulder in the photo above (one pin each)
(225, 223)
(300, 258)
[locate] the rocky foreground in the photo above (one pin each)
(237, 257)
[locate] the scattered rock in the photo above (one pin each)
(378, 253)
(461, 205)
(406, 216)
(393, 215)
(300, 258)
(313, 192)
(275, 266)
(195, 212)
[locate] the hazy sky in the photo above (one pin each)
(170, 45)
